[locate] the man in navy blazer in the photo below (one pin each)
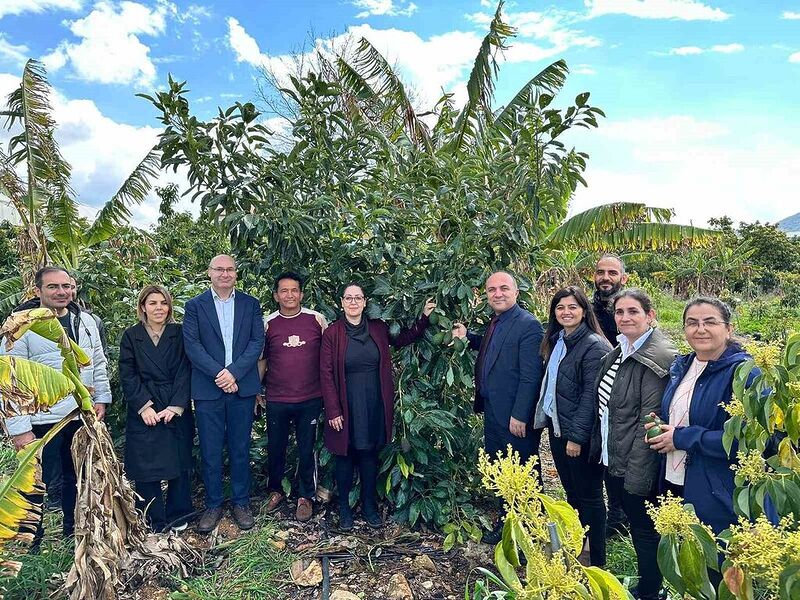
(508, 373)
(223, 335)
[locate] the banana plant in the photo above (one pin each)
(109, 531)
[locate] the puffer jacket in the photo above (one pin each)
(637, 391)
(38, 349)
(709, 480)
(576, 394)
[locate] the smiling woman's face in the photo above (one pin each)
(353, 302)
(706, 331)
(632, 320)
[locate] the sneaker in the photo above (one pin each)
(304, 509)
(180, 527)
(243, 517)
(273, 501)
(209, 520)
(345, 518)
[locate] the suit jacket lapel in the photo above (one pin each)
(211, 313)
(150, 350)
(238, 315)
(495, 345)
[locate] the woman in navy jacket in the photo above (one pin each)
(696, 466)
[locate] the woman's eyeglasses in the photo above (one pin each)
(353, 299)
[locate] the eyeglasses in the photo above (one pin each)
(353, 299)
(229, 270)
(692, 324)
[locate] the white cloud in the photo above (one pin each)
(702, 169)
(693, 50)
(16, 54)
(790, 15)
(386, 8)
(16, 7)
(684, 10)
(110, 50)
(794, 58)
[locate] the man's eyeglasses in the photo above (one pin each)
(353, 299)
(692, 324)
(230, 270)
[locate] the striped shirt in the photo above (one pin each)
(604, 395)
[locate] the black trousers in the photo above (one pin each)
(616, 515)
(367, 463)
(583, 483)
(645, 538)
(178, 504)
(60, 451)
(303, 417)
(497, 437)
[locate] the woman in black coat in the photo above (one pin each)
(155, 376)
(573, 348)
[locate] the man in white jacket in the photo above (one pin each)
(54, 291)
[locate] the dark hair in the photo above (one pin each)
(288, 275)
(637, 294)
(553, 326)
(724, 309)
(615, 257)
(352, 284)
(45, 271)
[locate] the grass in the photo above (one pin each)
(252, 567)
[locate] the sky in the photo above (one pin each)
(699, 94)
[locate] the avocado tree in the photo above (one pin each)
(372, 192)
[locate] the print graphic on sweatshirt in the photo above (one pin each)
(294, 341)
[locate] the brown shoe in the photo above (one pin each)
(243, 517)
(209, 520)
(273, 501)
(304, 509)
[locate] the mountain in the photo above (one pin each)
(791, 225)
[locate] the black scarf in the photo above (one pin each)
(359, 332)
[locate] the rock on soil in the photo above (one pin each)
(399, 589)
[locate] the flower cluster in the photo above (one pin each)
(550, 577)
(765, 356)
(762, 550)
(751, 467)
(734, 408)
(671, 516)
(516, 483)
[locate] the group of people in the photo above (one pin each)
(589, 378)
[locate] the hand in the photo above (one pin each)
(517, 428)
(573, 450)
(100, 410)
(459, 330)
(337, 423)
(662, 443)
(22, 440)
(166, 415)
(429, 306)
(231, 389)
(224, 379)
(150, 417)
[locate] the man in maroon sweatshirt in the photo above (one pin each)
(291, 393)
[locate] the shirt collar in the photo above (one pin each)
(628, 348)
(217, 298)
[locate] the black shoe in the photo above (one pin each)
(345, 518)
(243, 517)
(661, 595)
(373, 520)
(494, 536)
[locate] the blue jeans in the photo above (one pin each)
(225, 422)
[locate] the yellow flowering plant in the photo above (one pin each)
(546, 532)
(760, 557)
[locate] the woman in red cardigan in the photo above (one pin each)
(358, 393)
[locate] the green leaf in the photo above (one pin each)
(505, 568)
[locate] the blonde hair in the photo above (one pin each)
(145, 294)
